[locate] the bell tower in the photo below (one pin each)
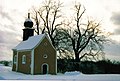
(28, 30)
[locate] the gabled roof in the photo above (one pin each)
(31, 43)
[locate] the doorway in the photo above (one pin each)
(45, 69)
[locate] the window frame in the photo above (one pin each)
(45, 56)
(24, 59)
(15, 59)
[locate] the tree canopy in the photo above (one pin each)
(76, 35)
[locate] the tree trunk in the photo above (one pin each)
(77, 57)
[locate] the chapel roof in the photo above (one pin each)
(31, 43)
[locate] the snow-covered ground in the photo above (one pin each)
(7, 74)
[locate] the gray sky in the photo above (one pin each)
(13, 13)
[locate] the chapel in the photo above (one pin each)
(35, 54)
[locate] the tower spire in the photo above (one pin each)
(28, 15)
(28, 30)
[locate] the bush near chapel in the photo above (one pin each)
(5, 63)
(89, 67)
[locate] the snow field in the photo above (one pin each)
(7, 74)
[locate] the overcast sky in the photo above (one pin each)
(13, 13)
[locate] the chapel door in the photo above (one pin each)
(45, 69)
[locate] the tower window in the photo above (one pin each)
(23, 59)
(15, 59)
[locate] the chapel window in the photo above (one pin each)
(23, 59)
(15, 59)
(45, 56)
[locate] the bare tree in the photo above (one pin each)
(48, 18)
(63, 44)
(86, 39)
(83, 38)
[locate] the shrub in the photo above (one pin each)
(89, 67)
(6, 63)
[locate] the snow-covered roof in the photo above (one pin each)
(30, 43)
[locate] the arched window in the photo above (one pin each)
(23, 59)
(15, 59)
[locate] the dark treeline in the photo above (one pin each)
(89, 67)
(86, 67)
(6, 63)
